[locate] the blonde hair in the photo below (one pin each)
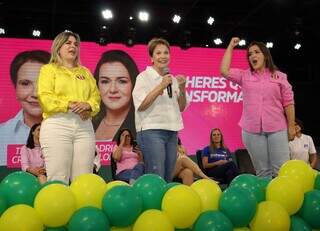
(156, 41)
(59, 40)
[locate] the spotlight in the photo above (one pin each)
(297, 46)
(176, 18)
(143, 16)
(210, 20)
(186, 39)
(217, 41)
(131, 36)
(36, 33)
(242, 42)
(104, 36)
(2, 30)
(269, 44)
(107, 14)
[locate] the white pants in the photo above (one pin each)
(68, 146)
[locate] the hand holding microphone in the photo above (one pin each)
(166, 78)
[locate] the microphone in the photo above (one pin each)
(166, 71)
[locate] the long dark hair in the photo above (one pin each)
(30, 141)
(267, 56)
(123, 58)
(118, 139)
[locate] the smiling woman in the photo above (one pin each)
(115, 74)
(24, 71)
(157, 113)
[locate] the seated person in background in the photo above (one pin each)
(185, 167)
(217, 160)
(302, 146)
(31, 157)
(96, 161)
(127, 157)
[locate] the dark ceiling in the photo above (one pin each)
(283, 22)
(273, 20)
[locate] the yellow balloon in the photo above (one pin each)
(55, 204)
(153, 220)
(128, 228)
(88, 190)
(299, 172)
(182, 205)
(285, 192)
(209, 193)
(270, 216)
(111, 184)
(242, 229)
(21, 217)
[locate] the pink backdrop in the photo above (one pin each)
(214, 102)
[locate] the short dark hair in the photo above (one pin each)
(120, 133)
(30, 141)
(300, 123)
(40, 56)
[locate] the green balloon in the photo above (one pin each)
(123, 205)
(251, 183)
(19, 188)
(187, 229)
(238, 206)
(151, 188)
(56, 229)
(170, 185)
(53, 182)
(3, 204)
(297, 224)
(317, 182)
(212, 221)
(310, 210)
(264, 181)
(89, 219)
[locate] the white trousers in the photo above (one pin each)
(68, 146)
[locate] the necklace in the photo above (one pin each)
(110, 125)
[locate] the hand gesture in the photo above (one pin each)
(234, 42)
(85, 115)
(122, 139)
(37, 171)
(181, 81)
(79, 107)
(166, 80)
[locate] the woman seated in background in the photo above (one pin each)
(31, 157)
(217, 160)
(302, 146)
(185, 167)
(128, 158)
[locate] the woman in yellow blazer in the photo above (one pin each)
(68, 97)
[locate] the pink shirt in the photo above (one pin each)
(128, 159)
(31, 158)
(264, 100)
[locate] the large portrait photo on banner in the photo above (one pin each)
(213, 100)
